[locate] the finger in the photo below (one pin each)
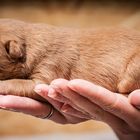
(30, 106)
(114, 103)
(134, 98)
(52, 96)
(70, 118)
(46, 91)
(92, 109)
(42, 90)
(58, 101)
(57, 97)
(84, 104)
(59, 86)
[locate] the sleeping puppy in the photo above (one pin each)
(39, 53)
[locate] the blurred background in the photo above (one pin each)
(68, 13)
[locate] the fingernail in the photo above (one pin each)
(134, 98)
(56, 88)
(38, 88)
(52, 93)
(41, 88)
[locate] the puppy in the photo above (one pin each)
(39, 53)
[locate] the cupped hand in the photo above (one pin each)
(82, 98)
(37, 109)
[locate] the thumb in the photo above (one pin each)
(134, 98)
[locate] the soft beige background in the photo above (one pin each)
(72, 14)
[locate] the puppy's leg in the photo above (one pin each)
(20, 88)
(131, 77)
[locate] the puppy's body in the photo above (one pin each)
(39, 53)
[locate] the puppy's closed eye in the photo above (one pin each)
(16, 51)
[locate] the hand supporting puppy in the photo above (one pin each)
(82, 98)
(37, 109)
(77, 101)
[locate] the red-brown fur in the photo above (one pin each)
(40, 53)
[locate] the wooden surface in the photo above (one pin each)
(70, 15)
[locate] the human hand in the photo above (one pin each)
(37, 109)
(98, 103)
(134, 98)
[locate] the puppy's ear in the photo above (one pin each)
(16, 51)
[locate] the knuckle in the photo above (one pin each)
(112, 107)
(64, 100)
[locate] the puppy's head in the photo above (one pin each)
(14, 49)
(12, 56)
